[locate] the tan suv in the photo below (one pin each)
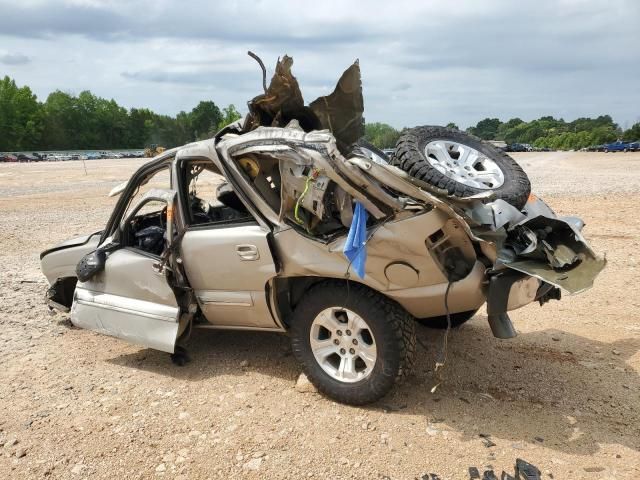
(277, 228)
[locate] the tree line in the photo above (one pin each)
(84, 122)
(557, 134)
(545, 132)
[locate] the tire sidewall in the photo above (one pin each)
(410, 156)
(477, 144)
(388, 360)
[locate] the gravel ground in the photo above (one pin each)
(563, 395)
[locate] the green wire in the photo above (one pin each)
(304, 192)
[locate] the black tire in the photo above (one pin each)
(440, 322)
(391, 326)
(362, 144)
(410, 157)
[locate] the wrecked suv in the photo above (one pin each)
(287, 222)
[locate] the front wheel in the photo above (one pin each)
(353, 343)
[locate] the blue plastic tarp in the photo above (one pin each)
(355, 247)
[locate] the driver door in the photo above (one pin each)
(131, 297)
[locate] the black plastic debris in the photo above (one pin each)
(486, 440)
(526, 471)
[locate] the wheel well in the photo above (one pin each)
(289, 290)
(61, 291)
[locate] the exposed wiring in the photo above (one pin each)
(315, 173)
(296, 210)
(442, 360)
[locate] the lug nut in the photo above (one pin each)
(342, 351)
(352, 351)
(339, 333)
(348, 332)
(354, 341)
(336, 342)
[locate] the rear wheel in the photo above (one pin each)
(461, 164)
(353, 343)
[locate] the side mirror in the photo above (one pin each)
(91, 264)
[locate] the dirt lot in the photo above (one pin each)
(564, 395)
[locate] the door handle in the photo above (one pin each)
(247, 252)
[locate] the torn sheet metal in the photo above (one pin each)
(321, 174)
(340, 112)
(281, 101)
(533, 241)
(561, 256)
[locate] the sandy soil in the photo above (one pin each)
(564, 395)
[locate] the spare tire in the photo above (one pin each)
(363, 147)
(461, 164)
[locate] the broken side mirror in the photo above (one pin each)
(91, 264)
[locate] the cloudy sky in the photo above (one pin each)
(423, 62)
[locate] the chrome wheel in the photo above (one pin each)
(343, 344)
(464, 164)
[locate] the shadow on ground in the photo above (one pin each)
(551, 387)
(545, 387)
(220, 352)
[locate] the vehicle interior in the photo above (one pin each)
(211, 200)
(146, 229)
(305, 198)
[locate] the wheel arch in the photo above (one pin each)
(288, 291)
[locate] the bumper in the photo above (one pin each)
(510, 289)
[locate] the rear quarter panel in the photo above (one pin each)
(401, 241)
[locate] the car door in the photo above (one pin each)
(229, 268)
(131, 297)
(227, 261)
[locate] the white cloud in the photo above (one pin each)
(422, 62)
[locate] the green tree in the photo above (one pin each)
(486, 129)
(633, 134)
(381, 135)
(61, 121)
(139, 127)
(229, 115)
(20, 117)
(204, 117)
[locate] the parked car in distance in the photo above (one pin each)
(7, 157)
(634, 146)
(23, 157)
(519, 147)
(617, 146)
